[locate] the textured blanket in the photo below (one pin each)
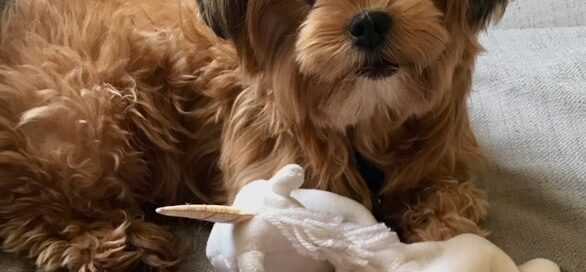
(529, 112)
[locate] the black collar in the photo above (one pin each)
(372, 175)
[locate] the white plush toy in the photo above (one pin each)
(274, 226)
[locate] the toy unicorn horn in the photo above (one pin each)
(275, 226)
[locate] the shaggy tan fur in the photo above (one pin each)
(106, 105)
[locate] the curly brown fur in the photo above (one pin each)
(106, 105)
(99, 114)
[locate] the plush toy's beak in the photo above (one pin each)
(210, 213)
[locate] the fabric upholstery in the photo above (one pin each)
(523, 14)
(529, 112)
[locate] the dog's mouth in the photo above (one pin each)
(378, 69)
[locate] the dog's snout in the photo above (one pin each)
(369, 29)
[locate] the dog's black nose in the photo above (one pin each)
(369, 29)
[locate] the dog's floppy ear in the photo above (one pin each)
(474, 15)
(482, 12)
(224, 17)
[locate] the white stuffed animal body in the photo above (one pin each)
(275, 226)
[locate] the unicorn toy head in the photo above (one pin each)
(275, 226)
(243, 239)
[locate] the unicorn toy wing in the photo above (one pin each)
(321, 235)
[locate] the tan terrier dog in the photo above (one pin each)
(106, 105)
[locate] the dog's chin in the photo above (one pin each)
(378, 70)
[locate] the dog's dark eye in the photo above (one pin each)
(311, 2)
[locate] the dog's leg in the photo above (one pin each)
(442, 210)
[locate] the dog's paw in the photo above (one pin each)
(132, 246)
(442, 228)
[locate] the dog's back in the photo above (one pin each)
(100, 112)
